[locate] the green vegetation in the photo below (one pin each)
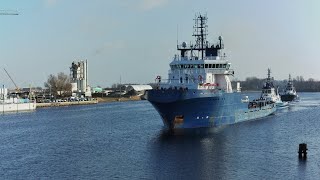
(59, 85)
(301, 85)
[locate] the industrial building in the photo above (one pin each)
(79, 79)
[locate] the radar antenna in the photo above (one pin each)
(200, 32)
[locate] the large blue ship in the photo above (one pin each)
(198, 91)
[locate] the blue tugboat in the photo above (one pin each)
(198, 92)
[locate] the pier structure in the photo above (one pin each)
(303, 150)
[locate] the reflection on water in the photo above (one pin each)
(188, 153)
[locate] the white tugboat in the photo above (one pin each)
(269, 92)
(198, 92)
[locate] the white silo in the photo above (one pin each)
(74, 87)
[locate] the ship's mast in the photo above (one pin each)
(200, 33)
(290, 78)
(269, 78)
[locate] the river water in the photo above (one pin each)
(126, 140)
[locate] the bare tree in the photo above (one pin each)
(59, 85)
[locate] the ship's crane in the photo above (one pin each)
(8, 12)
(17, 88)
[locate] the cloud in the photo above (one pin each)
(152, 4)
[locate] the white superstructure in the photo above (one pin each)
(201, 65)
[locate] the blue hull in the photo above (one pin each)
(203, 108)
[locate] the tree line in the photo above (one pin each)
(301, 85)
(60, 84)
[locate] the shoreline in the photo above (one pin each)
(96, 101)
(118, 99)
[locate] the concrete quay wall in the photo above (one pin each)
(71, 103)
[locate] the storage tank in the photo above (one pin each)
(84, 79)
(74, 87)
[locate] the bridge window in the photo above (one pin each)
(213, 65)
(224, 66)
(210, 65)
(206, 65)
(201, 65)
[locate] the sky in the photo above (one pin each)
(135, 40)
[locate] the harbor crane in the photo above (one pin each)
(17, 88)
(8, 12)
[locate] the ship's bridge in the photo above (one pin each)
(200, 74)
(200, 64)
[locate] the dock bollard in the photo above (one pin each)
(303, 150)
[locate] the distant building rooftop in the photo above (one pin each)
(138, 87)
